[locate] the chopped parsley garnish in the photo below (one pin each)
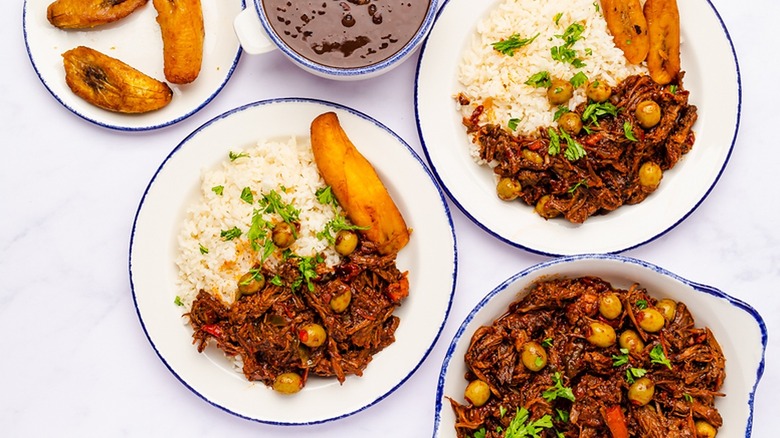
(673, 89)
(273, 203)
(246, 195)
(581, 183)
(325, 196)
(633, 373)
(335, 225)
(620, 359)
(547, 343)
(562, 415)
(558, 390)
(559, 112)
(230, 234)
(564, 53)
(510, 45)
(276, 280)
(256, 275)
(557, 17)
(512, 124)
(688, 397)
(629, 131)
(574, 150)
(555, 142)
(641, 304)
(501, 411)
(594, 111)
(178, 301)
(657, 356)
(520, 427)
(306, 267)
(218, 190)
(596, 5)
(578, 79)
(481, 433)
(540, 80)
(234, 156)
(203, 249)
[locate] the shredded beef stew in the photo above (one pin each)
(579, 358)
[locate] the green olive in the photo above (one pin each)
(598, 91)
(650, 320)
(641, 392)
(601, 335)
(251, 282)
(312, 335)
(508, 189)
(648, 114)
(532, 156)
(346, 242)
(477, 392)
(705, 430)
(559, 92)
(631, 341)
(544, 210)
(288, 383)
(650, 175)
(571, 123)
(340, 302)
(534, 356)
(283, 235)
(667, 307)
(610, 306)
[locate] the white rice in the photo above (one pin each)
(486, 74)
(271, 165)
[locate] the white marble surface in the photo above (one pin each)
(75, 359)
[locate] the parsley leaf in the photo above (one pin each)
(559, 112)
(325, 196)
(307, 269)
(510, 45)
(540, 80)
(629, 131)
(203, 249)
(547, 343)
(218, 190)
(273, 203)
(673, 89)
(512, 124)
(582, 182)
(574, 150)
(234, 156)
(631, 373)
(578, 79)
(258, 233)
(555, 142)
(557, 17)
(335, 225)
(230, 234)
(178, 301)
(641, 304)
(620, 359)
(246, 195)
(520, 427)
(594, 111)
(688, 397)
(558, 390)
(657, 356)
(481, 433)
(564, 53)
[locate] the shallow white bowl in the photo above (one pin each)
(739, 329)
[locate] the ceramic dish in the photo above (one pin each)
(712, 76)
(135, 40)
(429, 257)
(739, 329)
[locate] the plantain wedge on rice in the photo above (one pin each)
(111, 84)
(85, 14)
(356, 185)
(628, 26)
(663, 23)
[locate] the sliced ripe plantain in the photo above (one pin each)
(181, 24)
(84, 14)
(663, 24)
(111, 84)
(356, 185)
(628, 27)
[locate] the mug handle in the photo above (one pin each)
(251, 35)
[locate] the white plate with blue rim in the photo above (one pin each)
(738, 328)
(135, 40)
(430, 259)
(711, 75)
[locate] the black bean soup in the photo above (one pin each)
(346, 33)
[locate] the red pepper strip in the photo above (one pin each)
(616, 422)
(212, 329)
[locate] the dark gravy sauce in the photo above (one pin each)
(346, 33)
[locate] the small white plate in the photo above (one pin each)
(711, 76)
(739, 329)
(429, 257)
(135, 40)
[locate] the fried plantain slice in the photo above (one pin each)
(628, 27)
(111, 84)
(663, 24)
(181, 24)
(84, 14)
(356, 185)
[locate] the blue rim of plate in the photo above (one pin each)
(334, 106)
(549, 254)
(114, 126)
(698, 287)
(406, 50)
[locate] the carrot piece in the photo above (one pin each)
(616, 422)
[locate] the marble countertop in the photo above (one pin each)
(76, 361)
